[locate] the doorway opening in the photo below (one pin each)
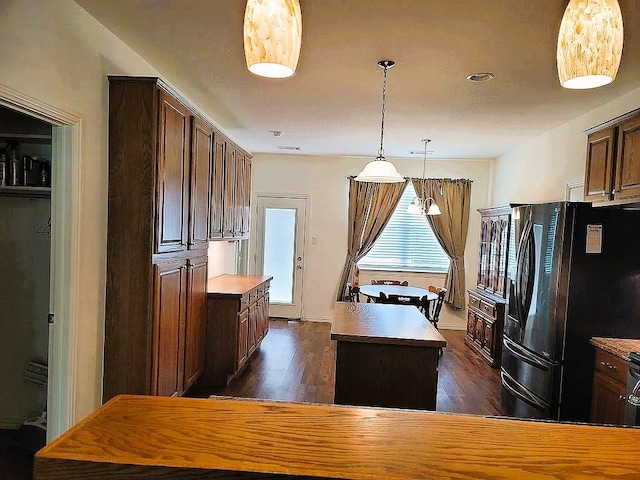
(57, 300)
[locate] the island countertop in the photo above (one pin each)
(383, 323)
(228, 284)
(158, 437)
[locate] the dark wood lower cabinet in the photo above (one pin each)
(237, 321)
(609, 389)
(485, 320)
(195, 329)
(168, 327)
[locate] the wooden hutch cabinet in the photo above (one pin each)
(612, 172)
(486, 307)
(160, 155)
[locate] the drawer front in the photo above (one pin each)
(487, 308)
(612, 366)
(245, 301)
(474, 301)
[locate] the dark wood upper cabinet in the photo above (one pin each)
(217, 187)
(229, 200)
(173, 178)
(246, 197)
(199, 198)
(238, 205)
(627, 185)
(612, 169)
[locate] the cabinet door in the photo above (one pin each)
(238, 209)
(483, 257)
(168, 328)
(489, 340)
(471, 325)
(195, 328)
(172, 180)
(479, 334)
(599, 167)
(627, 170)
(201, 153)
(246, 197)
(217, 187)
(494, 254)
(229, 202)
(502, 256)
(243, 337)
(253, 328)
(608, 401)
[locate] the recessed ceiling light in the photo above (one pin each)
(286, 147)
(420, 152)
(480, 77)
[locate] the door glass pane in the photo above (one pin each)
(279, 241)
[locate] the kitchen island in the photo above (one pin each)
(386, 356)
(156, 437)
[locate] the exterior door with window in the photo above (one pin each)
(280, 251)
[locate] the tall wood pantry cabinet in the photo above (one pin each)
(486, 307)
(160, 161)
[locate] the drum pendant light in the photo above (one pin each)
(589, 43)
(272, 37)
(379, 170)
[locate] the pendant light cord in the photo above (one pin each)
(384, 101)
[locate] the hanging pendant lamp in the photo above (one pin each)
(272, 37)
(420, 205)
(589, 43)
(379, 170)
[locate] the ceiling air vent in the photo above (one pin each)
(287, 147)
(420, 152)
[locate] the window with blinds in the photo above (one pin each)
(407, 243)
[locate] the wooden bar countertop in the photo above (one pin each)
(228, 284)
(177, 438)
(383, 323)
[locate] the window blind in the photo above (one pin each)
(407, 243)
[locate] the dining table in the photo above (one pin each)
(372, 292)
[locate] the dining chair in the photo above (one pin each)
(433, 314)
(353, 292)
(403, 283)
(402, 300)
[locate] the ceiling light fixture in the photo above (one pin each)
(272, 37)
(379, 170)
(589, 43)
(421, 205)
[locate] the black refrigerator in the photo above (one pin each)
(574, 274)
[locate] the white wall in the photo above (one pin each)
(222, 258)
(539, 170)
(324, 180)
(54, 51)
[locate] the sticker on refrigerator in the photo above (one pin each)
(594, 239)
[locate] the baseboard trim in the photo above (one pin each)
(443, 325)
(317, 319)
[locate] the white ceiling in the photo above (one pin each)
(332, 105)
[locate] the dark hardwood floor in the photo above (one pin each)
(296, 362)
(16, 461)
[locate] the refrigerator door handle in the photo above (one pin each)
(517, 352)
(523, 395)
(524, 286)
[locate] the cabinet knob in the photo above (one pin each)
(622, 398)
(613, 192)
(608, 365)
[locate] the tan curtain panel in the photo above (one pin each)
(370, 208)
(454, 198)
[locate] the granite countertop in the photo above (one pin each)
(619, 347)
